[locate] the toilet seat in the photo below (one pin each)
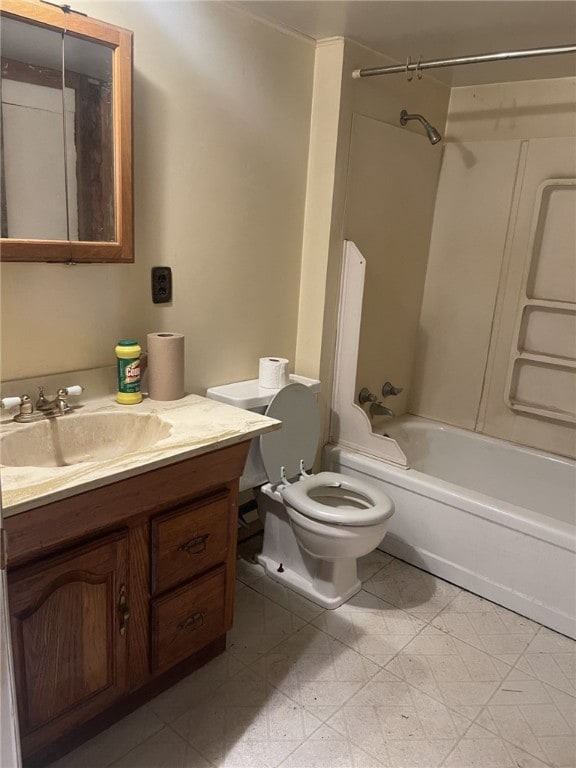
(289, 450)
(301, 495)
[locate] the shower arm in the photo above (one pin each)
(479, 58)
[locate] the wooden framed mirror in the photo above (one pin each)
(66, 136)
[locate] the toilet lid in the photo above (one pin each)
(295, 406)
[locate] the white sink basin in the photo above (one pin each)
(79, 438)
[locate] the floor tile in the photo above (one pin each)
(259, 625)
(411, 589)
(113, 743)
(163, 750)
(247, 571)
(328, 749)
(450, 670)
(287, 598)
(535, 717)
(398, 724)
(246, 723)
(370, 564)
(316, 670)
(487, 626)
(173, 702)
(561, 750)
(374, 628)
(551, 658)
(481, 749)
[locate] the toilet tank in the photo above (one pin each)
(252, 397)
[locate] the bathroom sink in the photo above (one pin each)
(79, 438)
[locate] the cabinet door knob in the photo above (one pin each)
(192, 622)
(123, 609)
(195, 545)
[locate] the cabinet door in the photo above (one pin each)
(69, 616)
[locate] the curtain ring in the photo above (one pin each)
(409, 76)
(418, 70)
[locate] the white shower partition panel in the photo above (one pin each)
(350, 425)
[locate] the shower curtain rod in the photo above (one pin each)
(479, 58)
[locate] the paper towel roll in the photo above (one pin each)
(273, 372)
(165, 366)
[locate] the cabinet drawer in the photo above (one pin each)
(189, 541)
(188, 618)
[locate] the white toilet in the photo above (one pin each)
(315, 526)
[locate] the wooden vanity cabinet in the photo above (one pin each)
(69, 636)
(116, 593)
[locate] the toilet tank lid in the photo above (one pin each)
(249, 395)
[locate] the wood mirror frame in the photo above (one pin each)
(121, 247)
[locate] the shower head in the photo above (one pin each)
(433, 135)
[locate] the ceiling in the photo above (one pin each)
(440, 29)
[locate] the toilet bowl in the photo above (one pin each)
(315, 526)
(334, 516)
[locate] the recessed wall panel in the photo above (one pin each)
(553, 268)
(538, 386)
(549, 332)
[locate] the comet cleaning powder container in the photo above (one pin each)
(128, 368)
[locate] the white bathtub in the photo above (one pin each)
(487, 515)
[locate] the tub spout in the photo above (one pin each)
(379, 409)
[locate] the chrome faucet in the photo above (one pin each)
(376, 407)
(56, 406)
(46, 408)
(379, 409)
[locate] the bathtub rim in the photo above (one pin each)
(516, 518)
(470, 434)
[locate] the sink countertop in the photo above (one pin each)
(198, 425)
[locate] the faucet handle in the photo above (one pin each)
(389, 389)
(12, 402)
(25, 403)
(75, 389)
(61, 401)
(365, 396)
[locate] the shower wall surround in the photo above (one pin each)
(389, 212)
(497, 334)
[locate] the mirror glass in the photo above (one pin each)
(33, 183)
(89, 139)
(57, 178)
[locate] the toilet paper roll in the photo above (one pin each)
(273, 372)
(165, 365)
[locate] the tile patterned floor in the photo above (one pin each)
(413, 672)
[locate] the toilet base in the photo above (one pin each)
(329, 589)
(328, 583)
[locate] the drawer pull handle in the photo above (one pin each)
(196, 545)
(192, 622)
(123, 609)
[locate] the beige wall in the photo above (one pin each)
(322, 203)
(221, 120)
(504, 140)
